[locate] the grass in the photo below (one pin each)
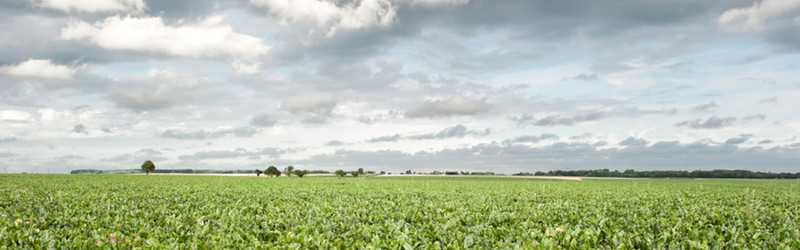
(101, 211)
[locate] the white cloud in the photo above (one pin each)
(15, 116)
(92, 6)
(43, 68)
(208, 38)
(753, 18)
(325, 13)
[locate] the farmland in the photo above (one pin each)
(79, 211)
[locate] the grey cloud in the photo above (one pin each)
(532, 138)
(759, 117)
(315, 120)
(164, 91)
(633, 142)
(263, 120)
(554, 120)
(371, 119)
(367, 120)
(79, 129)
(713, 122)
(584, 136)
(7, 154)
(137, 157)
(567, 117)
(769, 100)
(175, 134)
(334, 143)
(585, 77)
(314, 103)
(738, 140)
(69, 157)
(388, 138)
(8, 139)
(453, 105)
(705, 108)
(662, 155)
(765, 142)
(239, 152)
(203, 134)
(457, 131)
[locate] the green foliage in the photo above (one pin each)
(289, 171)
(148, 166)
(180, 212)
(272, 171)
(340, 173)
(301, 173)
(259, 172)
(354, 174)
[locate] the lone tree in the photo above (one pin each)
(340, 173)
(289, 170)
(354, 173)
(361, 171)
(258, 172)
(272, 171)
(301, 173)
(148, 167)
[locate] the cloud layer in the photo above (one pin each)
(502, 86)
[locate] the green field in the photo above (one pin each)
(101, 211)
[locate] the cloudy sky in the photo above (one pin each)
(472, 85)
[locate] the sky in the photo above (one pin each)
(392, 85)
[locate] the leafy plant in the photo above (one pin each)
(148, 166)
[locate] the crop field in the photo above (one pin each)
(122, 211)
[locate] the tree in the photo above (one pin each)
(361, 171)
(289, 170)
(340, 173)
(272, 171)
(408, 171)
(301, 173)
(148, 166)
(354, 173)
(258, 172)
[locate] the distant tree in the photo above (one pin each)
(408, 171)
(148, 166)
(361, 171)
(301, 173)
(258, 172)
(272, 171)
(436, 172)
(289, 170)
(340, 173)
(383, 172)
(354, 173)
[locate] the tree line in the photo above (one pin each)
(630, 173)
(272, 171)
